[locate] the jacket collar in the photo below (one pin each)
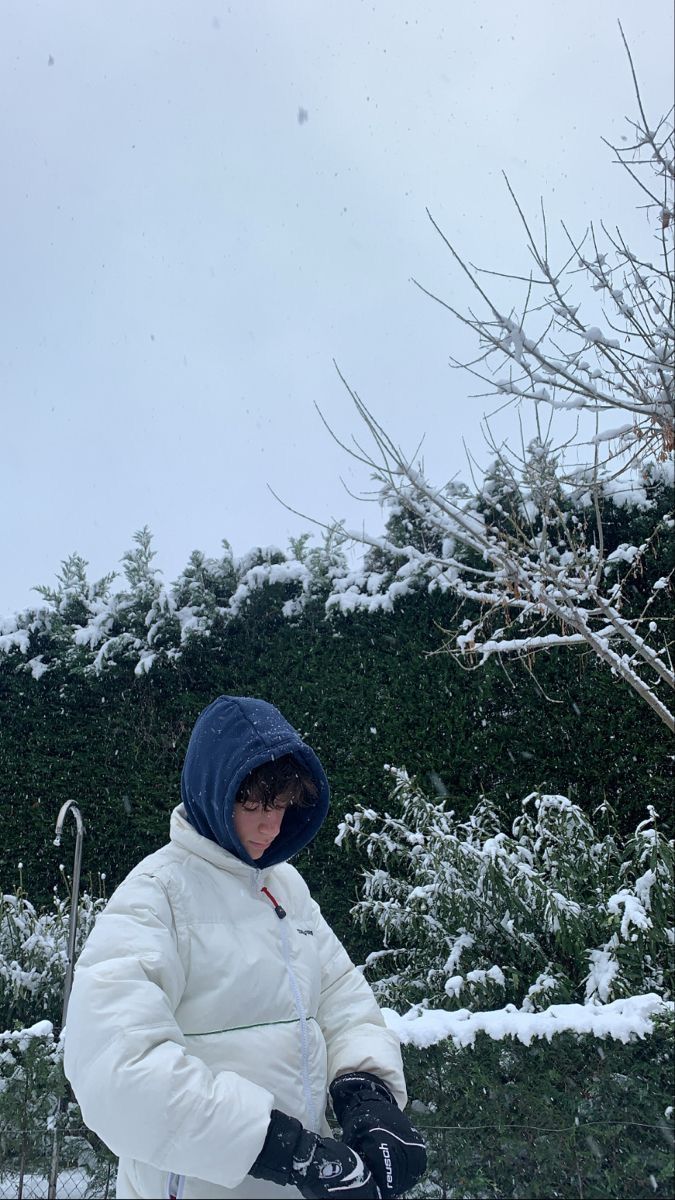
(183, 834)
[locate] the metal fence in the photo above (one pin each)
(85, 1169)
(72, 1184)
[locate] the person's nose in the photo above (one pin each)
(270, 820)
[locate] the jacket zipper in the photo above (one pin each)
(299, 1008)
(175, 1185)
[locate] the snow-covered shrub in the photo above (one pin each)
(475, 916)
(31, 1085)
(34, 1094)
(36, 1111)
(34, 956)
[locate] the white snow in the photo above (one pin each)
(608, 435)
(623, 553)
(624, 1020)
(603, 972)
(633, 911)
(37, 666)
(643, 887)
(18, 639)
(145, 662)
(41, 1029)
(494, 973)
(268, 573)
(464, 942)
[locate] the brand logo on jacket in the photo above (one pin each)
(307, 932)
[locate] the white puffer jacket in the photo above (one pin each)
(179, 1042)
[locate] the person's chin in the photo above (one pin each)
(256, 850)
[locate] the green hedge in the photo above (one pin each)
(576, 1117)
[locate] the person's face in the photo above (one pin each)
(256, 827)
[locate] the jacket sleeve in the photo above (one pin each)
(138, 1087)
(356, 1036)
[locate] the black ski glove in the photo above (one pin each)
(319, 1167)
(373, 1124)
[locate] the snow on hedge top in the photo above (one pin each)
(623, 1019)
(88, 626)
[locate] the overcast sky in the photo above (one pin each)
(205, 203)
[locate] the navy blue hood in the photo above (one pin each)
(231, 737)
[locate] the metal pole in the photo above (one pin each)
(69, 806)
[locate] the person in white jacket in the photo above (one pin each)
(213, 1010)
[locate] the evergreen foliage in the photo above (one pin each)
(34, 956)
(37, 1112)
(473, 915)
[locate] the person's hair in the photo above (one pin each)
(281, 777)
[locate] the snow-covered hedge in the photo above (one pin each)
(576, 1115)
(92, 626)
(95, 625)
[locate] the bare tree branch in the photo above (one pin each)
(530, 546)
